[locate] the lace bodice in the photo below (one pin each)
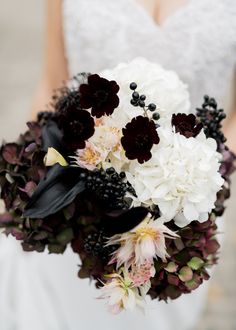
(198, 41)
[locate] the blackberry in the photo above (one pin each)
(95, 244)
(211, 118)
(110, 187)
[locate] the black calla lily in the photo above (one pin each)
(57, 190)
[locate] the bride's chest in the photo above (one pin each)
(101, 33)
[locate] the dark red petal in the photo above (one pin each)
(114, 87)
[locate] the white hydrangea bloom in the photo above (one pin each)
(182, 177)
(162, 87)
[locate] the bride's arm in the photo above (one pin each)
(54, 69)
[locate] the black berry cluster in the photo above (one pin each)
(211, 118)
(95, 244)
(109, 186)
(139, 100)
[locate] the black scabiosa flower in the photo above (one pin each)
(138, 138)
(77, 126)
(186, 125)
(67, 100)
(100, 95)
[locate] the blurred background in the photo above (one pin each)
(21, 45)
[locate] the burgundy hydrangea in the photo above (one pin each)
(186, 125)
(138, 138)
(77, 126)
(11, 153)
(100, 95)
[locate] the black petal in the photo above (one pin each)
(118, 222)
(57, 190)
(52, 137)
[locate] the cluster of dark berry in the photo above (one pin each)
(109, 186)
(211, 118)
(95, 244)
(139, 100)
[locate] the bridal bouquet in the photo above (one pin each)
(123, 173)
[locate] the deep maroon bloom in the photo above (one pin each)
(186, 125)
(100, 95)
(77, 126)
(138, 138)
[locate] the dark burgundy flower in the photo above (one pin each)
(138, 138)
(186, 125)
(77, 126)
(99, 94)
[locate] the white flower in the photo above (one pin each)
(182, 177)
(162, 87)
(142, 244)
(121, 294)
(53, 157)
(2, 206)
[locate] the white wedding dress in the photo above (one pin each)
(41, 291)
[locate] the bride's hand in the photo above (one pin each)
(54, 70)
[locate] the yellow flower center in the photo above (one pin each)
(143, 233)
(90, 156)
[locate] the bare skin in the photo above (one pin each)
(161, 10)
(55, 69)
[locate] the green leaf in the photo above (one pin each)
(185, 274)
(56, 248)
(65, 236)
(192, 285)
(171, 267)
(195, 263)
